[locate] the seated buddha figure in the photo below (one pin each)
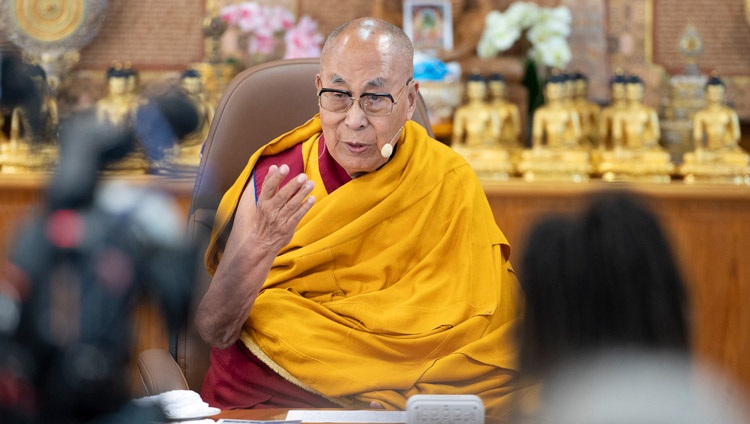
(604, 125)
(31, 142)
(618, 102)
(556, 152)
(186, 154)
(476, 129)
(716, 134)
(118, 109)
(587, 110)
(636, 154)
(508, 115)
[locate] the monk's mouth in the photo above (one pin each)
(357, 147)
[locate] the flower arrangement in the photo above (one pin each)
(547, 30)
(264, 26)
(303, 39)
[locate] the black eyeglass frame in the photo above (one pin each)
(359, 99)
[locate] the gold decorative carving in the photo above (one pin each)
(52, 32)
(49, 20)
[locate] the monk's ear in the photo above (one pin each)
(318, 83)
(412, 97)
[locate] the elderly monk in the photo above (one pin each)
(356, 261)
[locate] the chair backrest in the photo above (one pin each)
(259, 104)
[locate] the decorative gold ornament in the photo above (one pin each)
(49, 20)
(691, 47)
(52, 32)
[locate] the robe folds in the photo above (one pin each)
(396, 283)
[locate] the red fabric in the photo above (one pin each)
(292, 157)
(237, 379)
(334, 176)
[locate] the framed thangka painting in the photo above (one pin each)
(429, 24)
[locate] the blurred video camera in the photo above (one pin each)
(80, 266)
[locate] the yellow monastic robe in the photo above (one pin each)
(397, 283)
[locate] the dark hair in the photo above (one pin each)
(633, 79)
(116, 72)
(191, 73)
(496, 76)
(618, 78)
(475, 77)
(603, 279)
(580, 76)
(557, 79)
(714, 80)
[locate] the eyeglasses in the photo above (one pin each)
(372, 104)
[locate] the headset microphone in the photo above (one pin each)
(387, 150)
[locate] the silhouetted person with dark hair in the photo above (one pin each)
(601, 288)
(603, 279)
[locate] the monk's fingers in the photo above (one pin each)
(275, 227)
(293, 194)
(288, 196)
(281, 207)
(296, 215)
(275, 176)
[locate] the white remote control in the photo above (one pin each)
(444, 409)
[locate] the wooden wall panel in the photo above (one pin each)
(709, 229)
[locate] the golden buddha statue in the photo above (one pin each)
(186, 154)
(716, 133)
(617, 92)
(588, 111)
(508, 116)
(118, 108)
(636, 153)
(476, 131)
(604, 125)
(556, 152)
(3, 137)
(30, 146)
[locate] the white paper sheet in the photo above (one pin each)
(334, 416)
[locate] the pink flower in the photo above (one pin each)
(261, 44)
(303, 40)
(231, 14)
(264, 23)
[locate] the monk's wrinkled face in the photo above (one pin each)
(359, 63)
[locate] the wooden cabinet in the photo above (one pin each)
(709, 229)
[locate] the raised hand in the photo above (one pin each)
(279, 209)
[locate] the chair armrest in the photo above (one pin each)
(159, 372)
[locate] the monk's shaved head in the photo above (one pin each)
(386, 36)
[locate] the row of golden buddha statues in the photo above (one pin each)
(574, 139)
(30, 143)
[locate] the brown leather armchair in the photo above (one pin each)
(258, 105)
